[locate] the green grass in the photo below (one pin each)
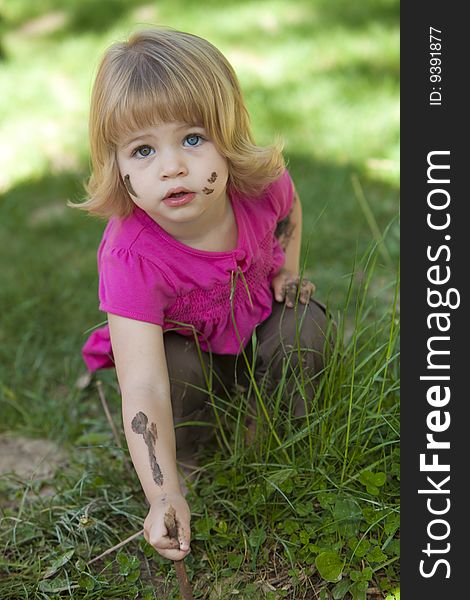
(307, 502)
(294, 511)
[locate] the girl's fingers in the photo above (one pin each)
(279, 292)
(306, 291)
(184, 539)
(184, 534)
(158, 538)
(291, 292)
(287, 289)
(164, 543)
(173, 554)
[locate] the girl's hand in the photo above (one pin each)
(285, 286)
(155, 531)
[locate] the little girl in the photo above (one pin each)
(202, 246)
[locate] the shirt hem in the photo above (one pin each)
(122, 312)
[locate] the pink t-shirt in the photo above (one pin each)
(147, 275)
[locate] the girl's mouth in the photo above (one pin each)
(179, 198)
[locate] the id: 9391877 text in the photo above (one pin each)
(435, 66)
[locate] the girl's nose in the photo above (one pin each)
(172, 165)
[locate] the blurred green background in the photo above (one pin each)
(321, 74)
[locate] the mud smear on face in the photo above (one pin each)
(128, 184)
(211, 179)
(140, 426)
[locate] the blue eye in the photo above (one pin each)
(143, 151)
(193, 139)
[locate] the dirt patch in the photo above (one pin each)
(29, 458)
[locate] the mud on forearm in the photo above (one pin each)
(140, 426)
(285, 228)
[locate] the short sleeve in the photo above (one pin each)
(281, 195)
(133, 286)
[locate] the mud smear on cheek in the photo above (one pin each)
(211, 179)
(128, 184)
(140, 426)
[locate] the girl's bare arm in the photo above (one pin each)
(287, 283)
(289, 234)
(139, 354)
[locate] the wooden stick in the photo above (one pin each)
(182, 576)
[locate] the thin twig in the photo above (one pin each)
(107, 412)
(117, 546)
(109, 418)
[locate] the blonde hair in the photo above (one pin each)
(162, 75)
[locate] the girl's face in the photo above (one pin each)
(173, 172)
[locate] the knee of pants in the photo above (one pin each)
(301, 334)
(193, 429)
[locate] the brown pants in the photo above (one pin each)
(289, 334)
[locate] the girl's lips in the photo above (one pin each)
(179, 200)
